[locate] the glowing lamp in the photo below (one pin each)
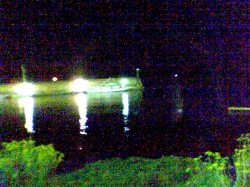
(25, 89)
(124, 82)
(54, 79)
(79, 85)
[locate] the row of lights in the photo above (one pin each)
(79, 85)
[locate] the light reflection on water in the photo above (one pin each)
(27, 104)
(146, 117)
(81, 101)
(86, 105)
(125, 111)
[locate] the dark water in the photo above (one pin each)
(167, 118)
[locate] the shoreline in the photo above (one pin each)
(71, 87)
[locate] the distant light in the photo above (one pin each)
(124, 82)
(79, 85)
(25, 89)
(137, 72)
(54, 79)
(238, 108)
(179, 110)
(176, 75)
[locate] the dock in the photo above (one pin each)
(79, 85)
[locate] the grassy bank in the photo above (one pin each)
(208, 170)
(168, 171)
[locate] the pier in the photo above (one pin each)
(79, 85)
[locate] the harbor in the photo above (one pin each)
(78, 85)
(73, 86)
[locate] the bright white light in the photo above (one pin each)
(125, 111)
(125, 102)
(54, 79)
(79, 85)
(124, 82)
(81, 100)
(27, 103)
(25, 89)
(176, 75)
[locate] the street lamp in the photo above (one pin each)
(137, 72)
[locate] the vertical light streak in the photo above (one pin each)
(125, 111)
(27, 103)
(81, 100)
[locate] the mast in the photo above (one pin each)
(23, 73)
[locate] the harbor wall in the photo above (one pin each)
(58, 87)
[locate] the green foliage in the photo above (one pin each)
(212, 172)
(24, 164)
(242, 161)
(168, 171)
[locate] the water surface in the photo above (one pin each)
(166, 119)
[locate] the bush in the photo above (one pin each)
(214, 171)
(242, 161)
(24, 164)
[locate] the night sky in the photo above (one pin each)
(112, 38)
